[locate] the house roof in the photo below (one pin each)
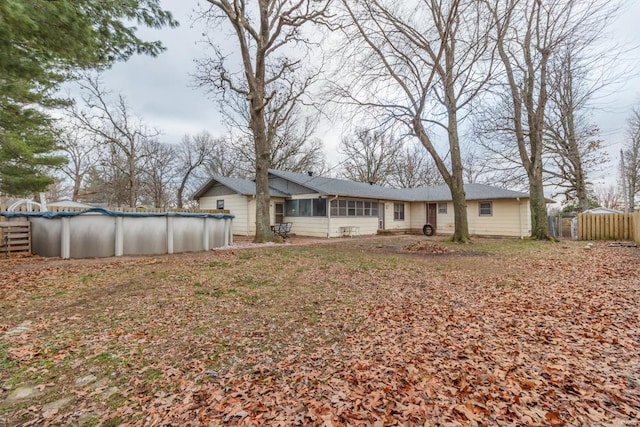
(241, 186)
(342, 187)
(339, 187)
(601, 210)
(472, 192)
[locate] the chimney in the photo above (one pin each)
(310, 173)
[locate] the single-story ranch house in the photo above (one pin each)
(329, 207)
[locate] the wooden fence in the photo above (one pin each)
(15, 238)
(609, 226)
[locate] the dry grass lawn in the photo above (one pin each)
(351, 332)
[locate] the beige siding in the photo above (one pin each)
(251, 217)
(331, 227)
(418, 215)
(510, 218)
(390, 223)
(366, 225)
(237, 206)
(446, 222)
(308, 226)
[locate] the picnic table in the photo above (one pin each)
(282, 229)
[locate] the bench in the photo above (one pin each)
(350, 230)
(282, 229)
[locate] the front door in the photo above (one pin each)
(279, 213)
(432, 214)
(381, 216)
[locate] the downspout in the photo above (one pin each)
(520, 217)
(329, 215)
(249, 216)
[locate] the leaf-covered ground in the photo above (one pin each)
(369, 332)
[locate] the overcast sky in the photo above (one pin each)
(161, 90)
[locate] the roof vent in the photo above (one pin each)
(310, 173)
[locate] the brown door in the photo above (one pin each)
(432, 214)
(279, 213)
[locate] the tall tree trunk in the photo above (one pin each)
(538, 208)
(460, 233)
(538, 205)
(456, 184)
(263, 220)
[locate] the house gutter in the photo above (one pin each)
(329, 215)
(520, 217)
(253, 196)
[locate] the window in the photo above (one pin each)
(304, 207)
(342, 210)
(352, 208)
(485, 208)
(442, 208)
(291, 208)
(319, 207)
(220, 204)
(398, 211)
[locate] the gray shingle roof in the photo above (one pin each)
(245, 187)
(472, 192)
(339, 187)
(346, 188)
(343, 187)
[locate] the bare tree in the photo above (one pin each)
(630, 162)
(608, 196)
(107, 183)
(529, 35)
(293, 147)
(420, 65)
(413, 167)
(476, 168)
(225, 162)
(81, 152)
(577, 74)
(370, 156)
(272, 45)
(120, 135)
(192, 154)
(159, 174)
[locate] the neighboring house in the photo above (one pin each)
(329, 207)
(601, 210)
